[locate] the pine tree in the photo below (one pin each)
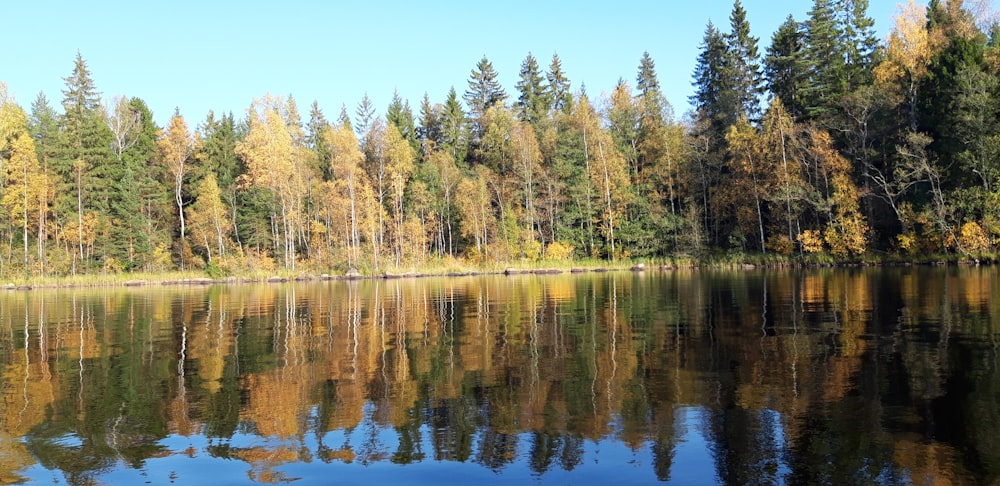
(43, 125)
(859, 42)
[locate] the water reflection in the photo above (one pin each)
(819, 377)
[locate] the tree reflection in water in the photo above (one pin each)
(820, 377)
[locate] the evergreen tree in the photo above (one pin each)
(783, 66)
(43, 126)
(364, 118)
(743, 65)
(83, 150)
(859, 41)
(317, 126)
(343, 119)
(454, 128)
(429, 130)
(534, 103)
(484, 89)
(134, 195)
(558, 86)
(711, 83)
(824, 61)
(400, 115)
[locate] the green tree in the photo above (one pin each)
(429, 130)
(823, 59)
(483, 93)
(43, 124)
(743, 63)
(484, 89)
(558, 86)
(711, 82)
(455, 136)
(83, 150)
(136, 199)
(533, 102)
(317, 125)
(216, 155)
(400, 116)
(783, 66)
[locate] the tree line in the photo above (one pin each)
(829, 142)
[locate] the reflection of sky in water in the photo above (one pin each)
(528, 385)
(693, 461)
(608, 461)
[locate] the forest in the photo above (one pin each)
(828, 144)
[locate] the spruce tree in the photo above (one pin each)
(454, 128)
(429, 129)
(859, 41)
(84, 149)
(132, 202)
(558, 86)
(484, 89)
(710, 81)
(364, 119)
(400, 115)
(743, 66)
(317, 126)
(824, 61)
(534, 102)
(783, 66)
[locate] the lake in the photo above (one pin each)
(826, 376)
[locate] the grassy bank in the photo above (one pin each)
(455, 267)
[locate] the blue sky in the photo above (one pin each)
(217, 55)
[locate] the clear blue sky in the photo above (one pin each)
(216, 55)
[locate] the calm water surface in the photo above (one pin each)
(864, 376)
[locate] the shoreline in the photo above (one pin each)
(186, 279)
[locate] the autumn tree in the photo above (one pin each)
(350, 183)
(275, 162)
(607, 171)
(209, 218)
(26, 189)
(176, 148)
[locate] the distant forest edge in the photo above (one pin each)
(829, 144)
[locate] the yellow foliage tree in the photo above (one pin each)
(907, 56)
(276, 162)
(28, 189)
(209, 217)
(176, 147)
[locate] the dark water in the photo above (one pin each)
(863, 376)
